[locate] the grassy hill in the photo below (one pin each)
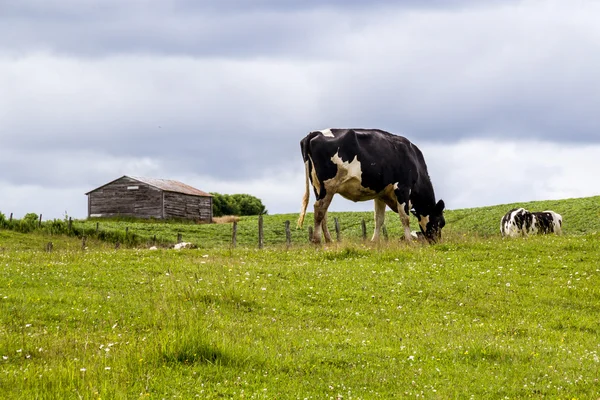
(580, 215)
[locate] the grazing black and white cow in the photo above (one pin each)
(520, 222)
(370, 164)
(548, 222)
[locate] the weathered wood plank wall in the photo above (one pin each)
(126, 197)
(180, 205)
(130, 197)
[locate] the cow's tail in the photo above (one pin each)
(305, 198)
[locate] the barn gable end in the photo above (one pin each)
(149, 198)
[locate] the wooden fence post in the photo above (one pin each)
(288, 234)
(10, 219)
(83, 240)
(234, 234)
(49, 247)
(338, 235)
(70, 224)
(310, 234)
(260, 232)
(97, 227)
(154, 240)
(126, 232)
(385, 234)
(364, 229)
(179, 237)
(40, 223)
(117, 245)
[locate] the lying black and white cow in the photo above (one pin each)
(370, 164)
(520, 222)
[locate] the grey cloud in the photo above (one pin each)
(182, 112)
(231, 28)
(66, 10)
(537, 79)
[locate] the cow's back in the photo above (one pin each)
(380, 157)
(548, 222)
(516, 222)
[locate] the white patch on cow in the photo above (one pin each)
(352, 168)
(327, 132)
(401, 206)
(405, 219)
(556, 222)
(348, 180)
(418, 236)
(313, 177)
(508, 225)
(423, 221)
(533, 229)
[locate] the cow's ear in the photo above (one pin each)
(439, 207)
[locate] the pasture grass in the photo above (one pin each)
(580, 216)
(474, 316)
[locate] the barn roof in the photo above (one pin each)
(167, 185)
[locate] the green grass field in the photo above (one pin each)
(475, 316)
(580, 216)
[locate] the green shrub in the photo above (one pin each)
(237, 204)
(28, 223)
(56, 226)
(249, 205)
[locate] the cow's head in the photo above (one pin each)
(431, 225)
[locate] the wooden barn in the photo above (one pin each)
(133, 196)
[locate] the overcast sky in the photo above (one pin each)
(502, 97)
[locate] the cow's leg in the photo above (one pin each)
(321, 206)
(379, 217)
(404, 206)
(325, 229)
